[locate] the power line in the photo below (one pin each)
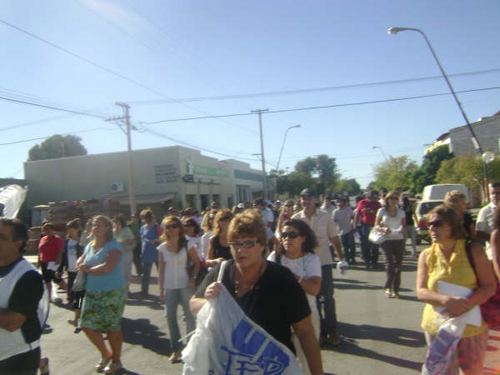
(50, 107)
(104, 68)
(37, 139)
(312, 90)
(320, 107)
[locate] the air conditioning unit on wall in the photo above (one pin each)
(116, 187)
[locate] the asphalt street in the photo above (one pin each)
(380, 335)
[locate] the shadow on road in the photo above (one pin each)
(142, 332)
(398, 336)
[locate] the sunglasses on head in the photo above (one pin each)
(435, 223)
(171, 226)
(225, 218)
(290, 235)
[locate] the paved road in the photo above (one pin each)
(380, 335)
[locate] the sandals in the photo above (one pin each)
(102, 365)
(176, 357)
(44, 366)
(113, 368)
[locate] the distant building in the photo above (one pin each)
(169, 176)
(487, 130)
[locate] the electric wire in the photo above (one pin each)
(38, 138)
(312, 90)
(99, 66)
(369, 102)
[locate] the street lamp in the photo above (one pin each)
(283, 145)
(475, 140)
(382, 151)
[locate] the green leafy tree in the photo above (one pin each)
(57, 146)
(394, 174)
(349, 186)
(426, 174)
(468, 170)
(322, 171)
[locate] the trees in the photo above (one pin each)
(57, 146)
(394, 174)
(426, 174)
(349, 186)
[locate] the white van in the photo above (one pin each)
(437, 192)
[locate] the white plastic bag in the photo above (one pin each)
(226, 341)
(444, 345)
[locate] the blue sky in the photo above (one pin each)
(86, 55)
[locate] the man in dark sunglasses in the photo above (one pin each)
(325, 230)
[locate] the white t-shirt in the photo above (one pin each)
(72, 257)
(205, 239)
(394, 223)
(194, 242)
(175, 274)
(307, 266)
(484, 223)
(267, 216)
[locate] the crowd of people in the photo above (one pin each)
(256, 251)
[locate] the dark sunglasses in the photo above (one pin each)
(243, 245)
(188, 225)
(171, 226)
(290, 234)
(435, 223)
(393, 198)
(225, 218)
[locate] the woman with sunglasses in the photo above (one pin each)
(268, 293)
(176, 287)
(392, 220)
(298, 241)
(447, 260)
(218, 246)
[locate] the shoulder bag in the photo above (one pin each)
(377, 236)
(491, 308)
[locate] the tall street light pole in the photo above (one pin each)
(264, 176)
(283, 145)
(382, 151)
(475, 140)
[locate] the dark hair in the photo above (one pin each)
(19, 231)
(75, 224)
(120, 219)
(304, 230)
(259, 202)
(194, 223)
(449, 216)
(495, 184)
(182, 236)
(47, 224)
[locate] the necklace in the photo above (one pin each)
(243, 286)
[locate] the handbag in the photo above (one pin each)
(80, 282)
(377, 236)
(490, 310)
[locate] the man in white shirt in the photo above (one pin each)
(325, 230)
(267, 214)
(327, 206)
(485, 218)
(343, 216)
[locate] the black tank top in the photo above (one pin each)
(221, 251)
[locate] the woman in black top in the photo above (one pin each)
(268, 293)
(410, 232)
(218, 246)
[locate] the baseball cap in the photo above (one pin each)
(308, 192)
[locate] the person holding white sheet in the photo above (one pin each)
(446, 260)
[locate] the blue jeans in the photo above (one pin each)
(173, 298)
(146, 275)
(348, 245)
(326, 302)
(368, 249)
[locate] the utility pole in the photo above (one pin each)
(264, 176)
(126, 118)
